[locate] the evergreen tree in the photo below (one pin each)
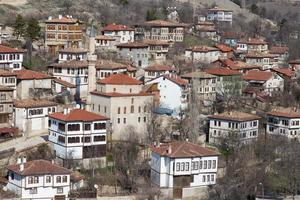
(33, 33)
(151, 15)
(19, 26)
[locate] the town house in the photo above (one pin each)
(157, 50)
(121, 33)
(219, 15)
(62, 32)
(106, 42)
(38, 179)
(78, 135)
(33, 84)
(10, 58)
(252, 45)
(203, 84)
(242, 126)
(265, 61)
(9, 79)
(202, 54)
(236, 65)
(155, 71)
(282, 53)
(183, 168)
(72, 54)
(225, 51)
(284, 122)
(120, 98)
(268, 82)
(167, 31)
(105, 68)
(173, 92)
(136, 52)
(6, 106)
(31, 115)
(206, 29)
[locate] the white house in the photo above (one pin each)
(219, 15)
(105, 68)
(9, 79)
(10, 58)
(72, 54)
(158, 50)
(136, 52)
(268, 81)
(172, 91)
(106, 42)
(265, 61)
(38, 179)
(243, 125)
(284, 123)
(252, 45)
(31, 116)
(155, 71)
(60, 86)
(122, 33)
(78, 134)
(282, 52)
(203, 54)
(31, 84)
(183, 165)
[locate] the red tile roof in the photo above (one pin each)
(164, 23)
(285, 114)
(64, 83)
(110, 65)
(33, 103)
(133, 45)
(260, 55)
(224, 48)
(158, 68)
(253, 41)
(73, 50)
(78, 115)
(233, 35)
(176, 79)
(38, 167)
(156, 43)
(116, 27)
(29, 75)
(116, 94)
(6, 49)
(203, 49)
(63, 20)
(183, 149)
(284, 71)
(237, 65)
(296, 62)
(278, 50)
(235, 116)
(5, 73)
(257, 75)
(104, 37)
(119, 79)
(219, 9)
(222, 72)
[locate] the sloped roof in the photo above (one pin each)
(29, 74)
(158, 68)
(284, 71)
(33, 103)
(64, 83)
(253, 41)
(104, 37)
(203, 49)
(260, 55)
(7, 73)
(156, 43)
(116, 27)
(224, 48)
(278, 50)
(71, 64)
(78, 115)
(133, 45)
(6, 49)
(116, 94)
(73, 50)
(183, 149)
(235, 116)
(222, 72)
(176, 79)
(198, 74)
(38, 167)
(297, 62)
(163, 23)
(285, 114)
(108, 64)
(64, 20)
(119, 79)
(237, 65)
(257, 75)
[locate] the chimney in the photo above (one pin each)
(50, 18)
(52, 161)
(19, 160)
(21, 167)
(169, 150)
(65, 111)
(59, 16)
(24, 159)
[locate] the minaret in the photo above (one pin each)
(92, 59)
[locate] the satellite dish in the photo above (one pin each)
(96, 186)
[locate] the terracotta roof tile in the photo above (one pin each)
(78, 115)
(184, 149)
(133, 45)
(278, 50)
(119, 79)
(253, 41)
(233, 35)
(29, 75)
(203, 49)
(222, 72)
(156, 43)
(5, 73)
(284, 71)
(64, 83)
(158, 68)
(71, 64)
(237, 65)
(176, 79)
(38, 167)
(257, 75)
(6, 49)
(224, 48)
(110, 65)
(63, 20)
(198, 74)
(33, 103)
(73, 50)
(235, 116)
(116, 27)
(116, 94)
(260, 55)
(285, 114)
(219, 9)
(104, 37)
(164, 23)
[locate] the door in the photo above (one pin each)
(177, 193)
(59, 197)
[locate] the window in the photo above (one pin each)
(209, 164)
(12, 176)
(132, 109)
(139, 109)
(182, 166)
(33, 179)
(73, 139)
(73, 127)
(65, 179)
(36, 112)
(48, 179)
(86, 139)
(145, 108)
(214, 164)
(61, 126)
(205, 164)
(145, 119)
(60, 190)
(99, 126)
(208, 178)
(99, 138)
(87, 127)
(203, 178)
(200, 165)
(119, 120)
(119, 110)
(124, 120)
(178, 166)
(61, 139)
(132, 100)
(58, 179)
(33, 191)
(124, 110)
(187, 166)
